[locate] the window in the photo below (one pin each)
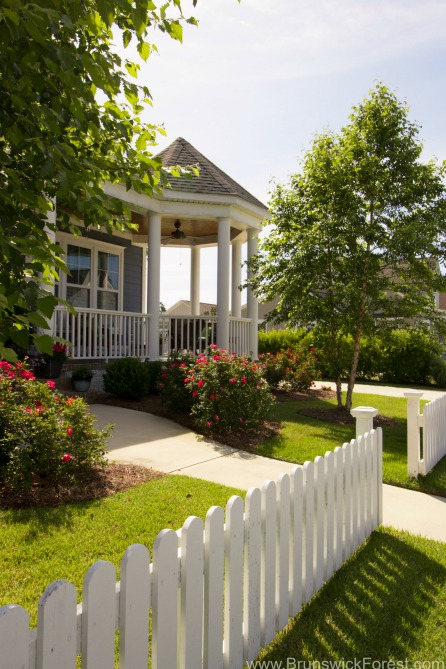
(95, 274)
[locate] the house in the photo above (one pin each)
(116, 294)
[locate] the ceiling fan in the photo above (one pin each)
(178, 237)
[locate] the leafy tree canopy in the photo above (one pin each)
(69, 121)
(359, 233)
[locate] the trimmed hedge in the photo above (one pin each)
(126, 378)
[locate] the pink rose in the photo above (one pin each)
(200, 383)
(66, 457)
(51, 384)
(243, 379)
(69, 431)
(233, 380)
(208, 423)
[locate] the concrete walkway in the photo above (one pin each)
(147, 440)
(389, 391)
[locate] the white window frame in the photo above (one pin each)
(64, 239)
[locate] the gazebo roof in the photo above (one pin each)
(212, 180)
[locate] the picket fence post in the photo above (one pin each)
(413, 431)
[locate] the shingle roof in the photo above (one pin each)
(212, 179)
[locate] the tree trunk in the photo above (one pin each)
(353, 370)
(339, 392)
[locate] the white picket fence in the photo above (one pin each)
(424, 453)
(219, 591)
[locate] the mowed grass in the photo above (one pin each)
(387, 603)
(41, 545)
(303, 438)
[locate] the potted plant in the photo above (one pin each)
(50, 366)
(81, 378)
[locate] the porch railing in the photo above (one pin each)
(197, 333)
(101, 334)
(104, 335)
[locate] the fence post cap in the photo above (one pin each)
(364, 412)
(413, 394)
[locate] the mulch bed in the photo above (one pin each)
(100, 482)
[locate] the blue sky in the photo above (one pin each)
(255, 81)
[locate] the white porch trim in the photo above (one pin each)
(224, 238)
(252, 301)
(154, 280)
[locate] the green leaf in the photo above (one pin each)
(46, 305)
(12, 16)
(44, 343)
(144, 50)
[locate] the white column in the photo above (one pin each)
(195, 281)
(252, 301)
(413, 432)
(364, 419)
(236, 301)
(153, 283)
(224, 238)
(50, 230)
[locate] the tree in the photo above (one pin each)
(69, 121)
(358, 234)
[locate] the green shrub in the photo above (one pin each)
(229, 392)
(279, 340)
(44, 436)
(126, 378)
(438, 371)
(289, 368)
(153, 373)
(408, 356)
(171, 385)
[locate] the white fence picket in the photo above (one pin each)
(219, 592)
(296, 489)
(379, 434)
(191, 577)
(165, 578)
(134, 605)
(362, 488)
(368, 483)
(14, 637)
(330, 511)
(342, 487)
(308, 530)
(214, 552)
(347, 466)
(98, 617)
(268, 566)
(57, 626)
(233, 619)
(319, 501)
(355, 494)
(252, 573)
(283, 551)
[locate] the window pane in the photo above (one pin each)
(108, 271)
(108, 301)
(78, 297)
(79, 264)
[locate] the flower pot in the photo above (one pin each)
(50, 369)
(81, 385)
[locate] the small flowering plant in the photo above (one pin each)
(229, 392)
(45, 437)
(290, 369)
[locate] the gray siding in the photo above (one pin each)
(133, 259)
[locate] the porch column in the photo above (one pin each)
(224, 238)
(195, 281)
(50, 230)
(252, 302)
(153, 285)
(236, 301)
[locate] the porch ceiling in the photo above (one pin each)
(197, 231)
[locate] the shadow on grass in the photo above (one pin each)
(378, 606)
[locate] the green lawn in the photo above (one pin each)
(41, 545)
(303, 438)
(387, 603)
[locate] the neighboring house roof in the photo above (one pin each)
(212, 179)
(183, 308)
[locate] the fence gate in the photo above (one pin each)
(423, 454)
